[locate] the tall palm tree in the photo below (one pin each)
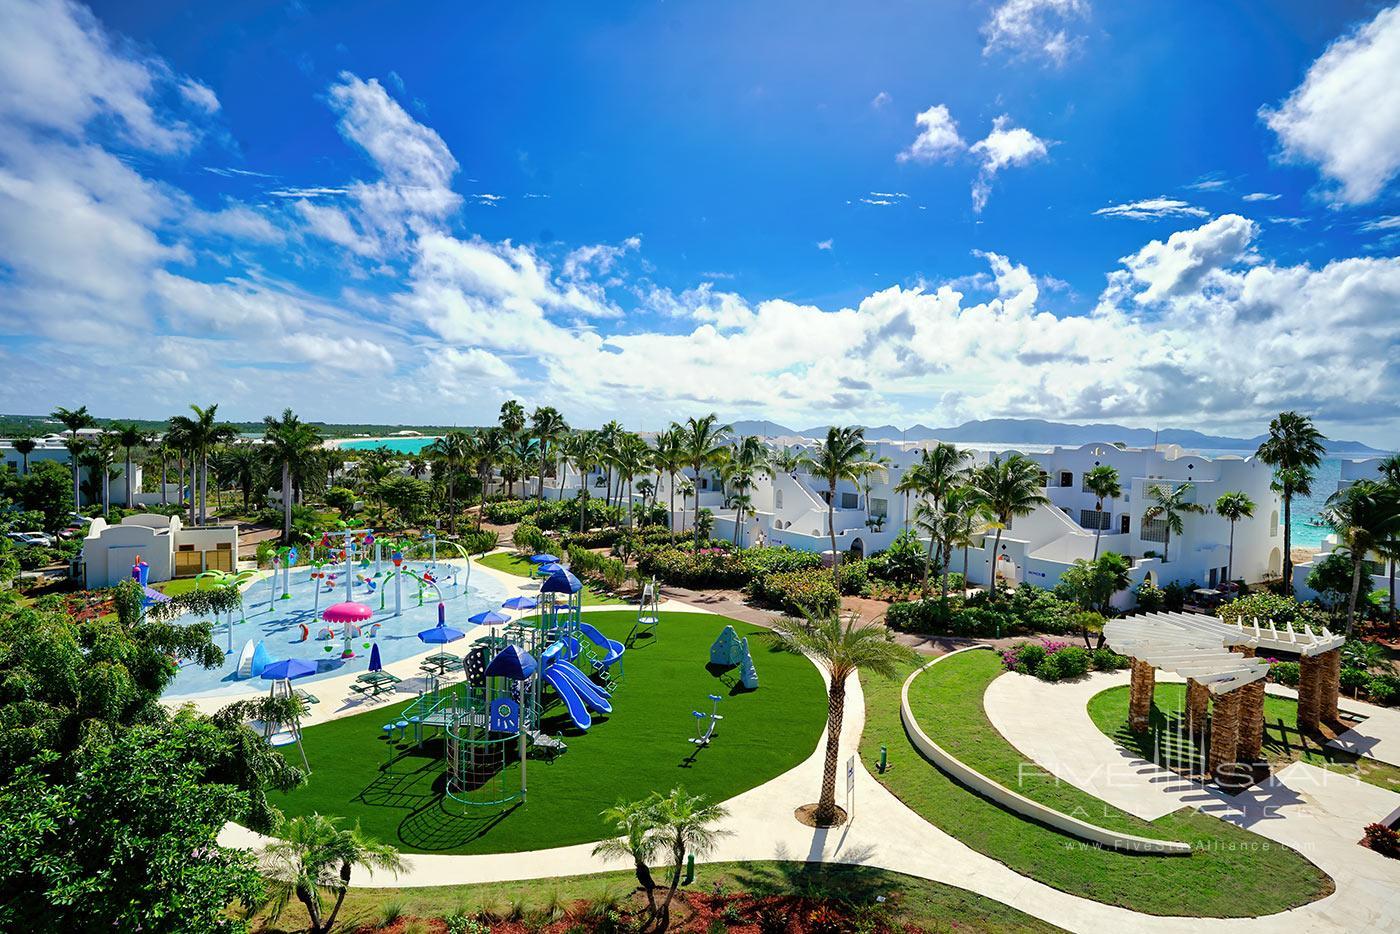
(290, 444)
(940, 469)
(104, 453)
(841, 456)
(669, 459)
(1390, 550)
(202, 433)
(608, 436)
(452, 451)
(512, 417)
(488, 449)
(239, 465)
(1102, 481)
(1171, 505)
(162, 453)
(129, 435)
(701, 445)
(633, 459)
(74, 420)
(581, 450)
(1294, 449)
(547, 426)
(24, 446)
(1008, 488)
(748, 458)
(1232, 507)
(960, 518)
(1365, 514)
(311, 855)
(841, 648)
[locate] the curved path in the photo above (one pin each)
(883, 833)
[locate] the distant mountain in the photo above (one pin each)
(1040, 431)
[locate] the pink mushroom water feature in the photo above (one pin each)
(349, 615)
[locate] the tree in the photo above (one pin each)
(633, 458)
(1294, 449)
(841, 648)
(1331, 579)
(1171, 505)
(1092, 584)
(312, 856)
(1363, 515)
(453, 450)
(701, 446)
(74, 420)
(488, 450)
(162, 453)
(548, 426)
(45, 489)
(1102, 481)
(405, 495)
(841, 456)
(1008, 488)
(674, 825)
(290, 445)
(240, 465)
(512, 417)
(24, 447)
(1232, 507)
(1390, 550)
(748, 458)
(103, 453)
(130, 436)
(669, 458)
(202, 434)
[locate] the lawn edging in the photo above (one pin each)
(1011, 800)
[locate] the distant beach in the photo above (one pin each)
(401, 445)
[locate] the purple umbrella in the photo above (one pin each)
(520, 603)
(489, 618)
(374, 663)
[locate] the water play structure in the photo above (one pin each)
(730, 651)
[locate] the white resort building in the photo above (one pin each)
(171, 548)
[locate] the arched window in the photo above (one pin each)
(778, 499)
(1273, 523)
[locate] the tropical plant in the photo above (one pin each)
(1171, 505)
(841, 647)
(130, 436)
(581, 449)
(633, 457)
(547, 426)
(74, 421)
(1008, 488)
(746, 459)
(669, 458)
(313, 856)
(239, 465)
(1232, 507)
(512, 417)
(201, 434)
(1363, 515)
(1092, 584)
(453, 450)
(701, 446)
(290, 444)
(1294, 449)
(1102, 481)
(842, 455)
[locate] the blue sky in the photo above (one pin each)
(1179, 214)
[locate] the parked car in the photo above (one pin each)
(32, 538)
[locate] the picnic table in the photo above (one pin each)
(439, 663)
(374, 683)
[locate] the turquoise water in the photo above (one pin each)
(399, 445)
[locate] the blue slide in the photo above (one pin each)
(592, 695)
(578, 712)
(615, 648)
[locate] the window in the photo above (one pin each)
(1094, 519)
(1124, 524)
(879, 508)
(1273, 523)
(1154, 530)
(850, 501)
(1066, 478)
(1213, 579)
(778, 499)
(1044, 478)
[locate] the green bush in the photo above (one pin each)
(478, 542)
(1286, 673)
(1384, 689)
(1150, 598)
(342, 499)
(925, 617)
(1174, 596)
(1109, 660)
(1265, 606)
(902, 562)
(1027, 656)
(529, 540)
(798, 592)
(853, 578)
(1354, 678)
(33, 557)
(1069, 662)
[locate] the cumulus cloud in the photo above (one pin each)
(1035, 28)
(1345, 116)
(1152, 209)
(1188, 257)
(1004, 147)
(937, 138)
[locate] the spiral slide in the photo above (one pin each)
(594, 696)
(578, 711)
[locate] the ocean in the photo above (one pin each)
(399, 445)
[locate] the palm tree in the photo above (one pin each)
(488, 449)
(74, 420)
(202, 433)
(1233, 507)
(879, 465)
(512, 417)
(841, 648)
(580, 450)
(748, 458)
(312, 855)
(633, 459)
(548, 426)
(636, 840)
(1171, 505)
(1102, 481)
(841, 456)
(608, 436)
(788, 460)
(669, 458)
(928, 520)
(129, 435)
(1365, 514)
(451, 450)
(1294, 449)
(24, 446)
(964, 512)
(701, 446)
(103, 454)
(1390, 550)
(161, 453)
(290, 445)
(240, 465)
(940, 469)
(1008, 488)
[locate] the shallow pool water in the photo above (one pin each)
(291, 628)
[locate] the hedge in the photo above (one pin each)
(798, 593)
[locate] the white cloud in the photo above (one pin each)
(488, 199)
(1004, 147)
(880, 100)
(199, 95)
(937, 139)
(1289, 221)
(888, 194)
(1261, 196)
(1188, 257)
(1034, 28)
(1345, 116)
(878, 202)
(310, 191)
(825, 244)
(1212, 182)
(1153, 208)
(228, 172)
(1389, 222)
(238, 221)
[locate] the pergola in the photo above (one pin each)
(1218, 660)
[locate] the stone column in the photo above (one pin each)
(1329, 685)
(1144, 679)
(1307, 694)
(1251, 743)
(1197, 705)
(1224, 734)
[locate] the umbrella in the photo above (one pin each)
(441, 634)
(489, 618)
(374, 663)
(551, 567)
(543, 558)
(561, 581)
(346, 612)
(520, 603)
(513, 662)
(287, 669)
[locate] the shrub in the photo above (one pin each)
(390, 913)
(1150, 598)
(1383, 839)
(853, 578)
(1072, 661)
(1384, 689)
(1025, 657)
(798, 592)
(1174, 596)
(927, 617)
(902, 562)
(529, 540)
(1265, 606)
(506, 511)
(1109, 660)
(1354, 678)
(479, 542)
(343, 500)
(33, 557)
(1286, 673)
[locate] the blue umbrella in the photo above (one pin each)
(440, 634)
(561, 581)
(374, 663)
(543, 558)
(489, 618)
(513, 662)
(547, 569)
(288, 669)
(520, 603)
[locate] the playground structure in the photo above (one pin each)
(705, 723)
(730, 651)
(648, 612)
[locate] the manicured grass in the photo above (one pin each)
(511, 563)
(931, 906)
(1167, 742)
(1233, 873)
(177, 587)
(641, 747)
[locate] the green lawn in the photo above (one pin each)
(641, 747)
(1233, 873)
(931, 906)
(1167, 743)
(511, 563)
